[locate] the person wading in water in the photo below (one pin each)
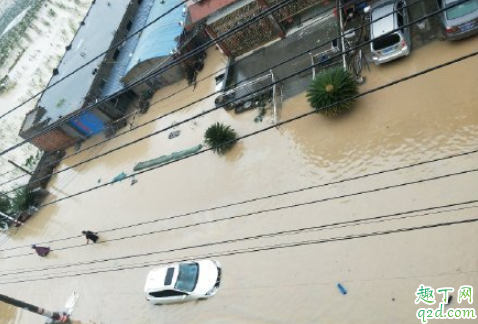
(90, 236)
(41, 250)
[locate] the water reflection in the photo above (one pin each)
(8, 313)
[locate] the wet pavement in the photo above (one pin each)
(322, 30)
(420, 120)
(304, 40)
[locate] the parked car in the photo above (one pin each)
(394, 16)
(181, 282)
(460, 21)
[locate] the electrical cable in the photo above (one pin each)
(261, 15)
(302, 189)
(394, 82)
(208, 111)
(5, 173)
(223, 36)
(460, 59)
(243, 81)
(183, 89)
(275, 209)
(256, 249)
(218, 106)
(379, 88)
(335, 225)
(169, 11)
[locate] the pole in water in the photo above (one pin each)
(54, 316)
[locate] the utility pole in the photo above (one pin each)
(341, 33)
(55, 316)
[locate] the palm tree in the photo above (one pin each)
(220, 138)
(329, 91)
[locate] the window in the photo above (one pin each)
(128, 26)
(462, 9)
(400, 14)
(169, 276)
(400, 19)
(385, 41)
(166, 293)
(139, 1)
(187, 277)
(116, 54)
(102, 84)
(114, 102)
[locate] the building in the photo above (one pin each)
(50, 125)
(220, 16)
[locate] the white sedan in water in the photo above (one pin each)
(180, 282)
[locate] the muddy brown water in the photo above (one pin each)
(425, 118)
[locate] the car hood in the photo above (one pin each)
(208, 274)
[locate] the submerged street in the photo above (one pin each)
(282, 257)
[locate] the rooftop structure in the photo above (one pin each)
(106, 24)
(221, 16)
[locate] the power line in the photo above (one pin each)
(216, 92)
(181, 59)
(379, 88)
(335, 225)
(257, 249)
(197, 101)
(301, 116)
(5, 173)
(275, 209)
(302, 189)
(94, 59)
(220, 106)
(376, 89)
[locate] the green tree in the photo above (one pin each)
(328, 92)
(220, 138)
(22, 199)
(4, 208)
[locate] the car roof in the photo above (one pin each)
(156, 278)
(387, 23)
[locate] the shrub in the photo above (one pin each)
(331, 88)
(220, 138)
(22, 199)
(4, 208)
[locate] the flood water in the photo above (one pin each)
(275, 278)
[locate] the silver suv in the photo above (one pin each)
(460, 21)
(394, 16)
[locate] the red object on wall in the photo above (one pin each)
(202, 9)
(54, 140)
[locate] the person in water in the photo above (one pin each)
(90, 236)
(41, 250)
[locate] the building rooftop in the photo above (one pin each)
(160, 38)
(93, 37)
(156, 41)
(202, 9)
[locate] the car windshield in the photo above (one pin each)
(187, 277)
(385, 41)
(462, 9)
